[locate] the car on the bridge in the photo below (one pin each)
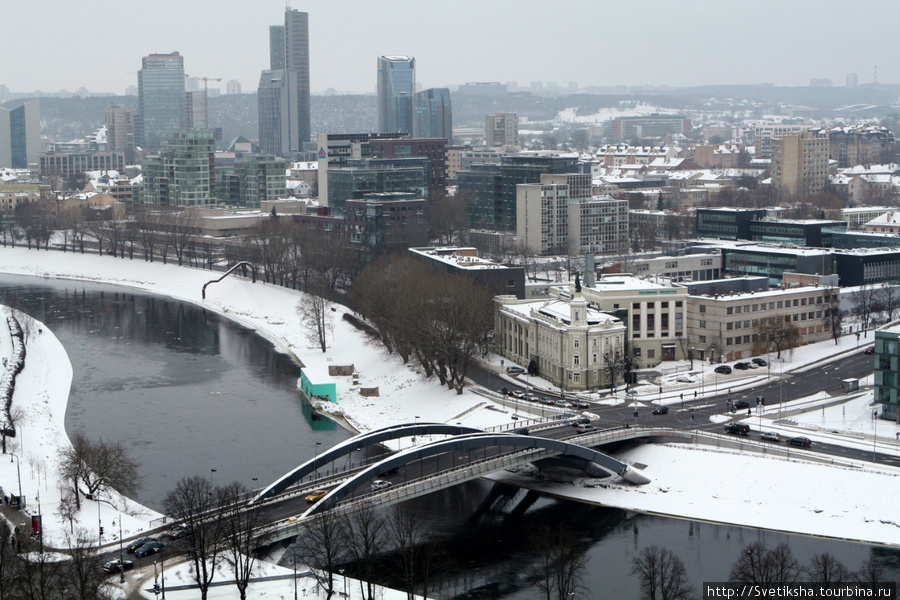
(561, 403)
(770, 436)
(737, 428)
(580, 421)
(380, 484)
(759, 362)
(138, 543)
(149, 548)
(743, 366)
(800, 441)
(869, 350)
(723, 369)
(316, 496)
(514, 370)
(545, 400)
(582, 427)
(661, 410)
(530, 397)
(517, 394)
(581, 404)
(114, 566)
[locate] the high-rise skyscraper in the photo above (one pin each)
(434, 115)
(184, 171)
(396, 91)
(278, 113)
(195, 110)
(285, 87)
(20, 135)
(161, 100)
(120, 131)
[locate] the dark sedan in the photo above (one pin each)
(114, 566)
(138, 543)
(661, 410)
(149, 548)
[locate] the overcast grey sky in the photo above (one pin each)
(50, 45)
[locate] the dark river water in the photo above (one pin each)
(196, 394)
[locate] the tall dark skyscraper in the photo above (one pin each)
(161, 100)
(20, 135)
(433, 114)
(284, 118)
(396, 91)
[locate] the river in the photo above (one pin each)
(196, 394)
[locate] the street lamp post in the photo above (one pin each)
(316, 462)
(121, 553)
(211, 471)
(18, 474)
(874, 434)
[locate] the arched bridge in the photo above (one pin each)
(467, 454)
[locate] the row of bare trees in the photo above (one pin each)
(663, 576)
(441, 321)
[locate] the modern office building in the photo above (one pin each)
(195, 110)
(252, 180)
(887, 372)
(184, 171)
(396, 93)
(800, 163)
(501, 130)
(433, 114)
(20, 135)
(279, 113)
(67, 164)
(161, 99)
(501, 279)
(727, 223)
(120, 131)
(493, 186)
(386, 221)
(360, 177)
(724, 325)
(284, 87)
(650, 126)
(432, 149)
(335, 149)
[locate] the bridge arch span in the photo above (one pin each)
(581, 454)
(356, 443)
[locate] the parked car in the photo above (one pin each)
(515, 370)
(741, 404)
(770, 436)
(380, 484)
(138, 543)
(801, 442)
(661, 410)
(743, 366)
(869, 350)
(581, 404)
(584, 427)
(114, 566)
(724, 369)
(760, 362)
(316, 496)
(149, 548)
(737, 428)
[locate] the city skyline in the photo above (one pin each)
(696, 42)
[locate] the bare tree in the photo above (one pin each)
(364, 531)
(761, 566)
(240, 529)
(315, 316)
(776, 331)
(870, 573)
(84, 579)
(560, 562)
(448, 216)
(67, 509)
(193, 503)
(95, 464)
(888, 298)
(414, 552)
(864, 300)
(826, 569)
(662, 574)
(8, 560)
(831, 315)
(323, 546)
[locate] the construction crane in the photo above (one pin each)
(205, 80)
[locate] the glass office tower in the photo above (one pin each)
(434, 115)
(161, 100)
(396, 93)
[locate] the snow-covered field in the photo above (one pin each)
(733, 487)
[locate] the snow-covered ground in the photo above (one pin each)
(740, 487)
